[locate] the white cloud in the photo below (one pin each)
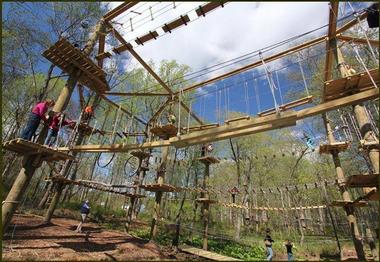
(236, 29)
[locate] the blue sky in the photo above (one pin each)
(226, 33)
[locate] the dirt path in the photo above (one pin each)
(34, 240)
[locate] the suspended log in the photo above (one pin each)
(207, 160)
(159, 188)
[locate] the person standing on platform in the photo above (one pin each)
(38, 113)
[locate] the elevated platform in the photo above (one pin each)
(206, 254)
(338, 146)
(207, 160)
(25, 147)
(164, 132)
(140, 154)
(64, 55)
(368, 145)
(85, 129)
(363, 181)
(342, 87)
(132, 195)
(287, 106)
(342, 203)
(159, 188)
(206, 200)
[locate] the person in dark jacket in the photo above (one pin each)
(289, 245)
(84, 211)
(35, 117)
(268, 244)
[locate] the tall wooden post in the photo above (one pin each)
(160, 180)
(31, 163)
(206, 206)
(369, 136)
(345, 194)
(62, 101)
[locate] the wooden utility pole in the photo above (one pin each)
(370, 142)
(349, 209)
(160, 180)
(31, 163)
(206, 206)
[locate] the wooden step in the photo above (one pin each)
(368, 145)
(337, 146)
(159, 188)
(363, 181)
(207, 160)
(140, 154)
(165, 131)
(342, 203)
(206, 200)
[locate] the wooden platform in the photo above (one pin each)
(140, 154)
(25, 147)
(64, 55)
(342, 203)
(342, 87)
(206, 254)
(338, 146)
(208, 160)
(160, 188)
(206, 200)
(164, 132)
(368, 145)
(287, 106)
(363, 181)
(132, 195)
(85, 129)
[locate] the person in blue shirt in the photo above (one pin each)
(84, 211)
(268, 244)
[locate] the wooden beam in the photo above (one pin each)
(255, 64)
(122, 109)
(135, 94)
(347, 38)
(114, 148)
(331, 39)
(351, 23)
(150, 70)
(102, 42)
(159, 110)
(119, 10)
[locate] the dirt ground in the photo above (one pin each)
(31, 239)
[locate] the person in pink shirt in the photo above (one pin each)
(56, 123)
(38, 113)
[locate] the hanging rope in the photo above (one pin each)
(92, 131)
(360, 60)
(189, 116)
(179, 111)
(303, 75)
(113, 137)
(271, 83)
(356, 15)
(279, 87)
(59, 130)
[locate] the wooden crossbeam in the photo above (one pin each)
(363, 180)
(241, 128)
(287, 106)
(119, 10)
(135, 94)
(357, 40)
